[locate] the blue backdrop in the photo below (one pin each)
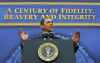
(90, 38)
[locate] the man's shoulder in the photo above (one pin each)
(34, 36)
(57, 35)
(63, 36)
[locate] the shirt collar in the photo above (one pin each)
(47, 32)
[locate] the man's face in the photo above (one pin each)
(48, 25)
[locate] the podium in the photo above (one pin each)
(36, 50)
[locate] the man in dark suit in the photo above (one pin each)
(47, 27)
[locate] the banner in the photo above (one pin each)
(62, 13)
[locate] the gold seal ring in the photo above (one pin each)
(48, 52)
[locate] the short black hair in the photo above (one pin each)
(42, 21)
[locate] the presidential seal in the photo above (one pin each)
(48, 52)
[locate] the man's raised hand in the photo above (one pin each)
(23, 36)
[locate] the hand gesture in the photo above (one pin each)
(23, 36)
(76, 38)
